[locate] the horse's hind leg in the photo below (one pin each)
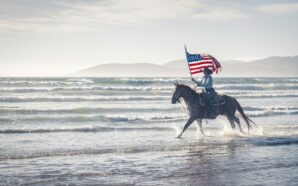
(238, 123)
(199, 123)
(231, 120)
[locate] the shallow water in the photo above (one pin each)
(121, 131)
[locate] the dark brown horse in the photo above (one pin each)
(196, 108)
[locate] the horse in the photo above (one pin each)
(197, 108)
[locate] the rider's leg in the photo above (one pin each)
(209, 104)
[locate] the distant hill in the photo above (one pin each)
(129, 70)
(268, 67)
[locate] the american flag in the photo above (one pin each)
(197, 63)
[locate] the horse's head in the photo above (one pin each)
(177, 93)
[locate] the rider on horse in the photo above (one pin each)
(207, 83)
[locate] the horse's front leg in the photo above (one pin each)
(188, 123)
(199, 123)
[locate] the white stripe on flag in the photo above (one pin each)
(211, 61)
(200, 66)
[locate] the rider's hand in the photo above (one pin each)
(193, 79)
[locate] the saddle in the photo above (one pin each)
(218, 100)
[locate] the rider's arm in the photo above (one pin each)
(196, 82)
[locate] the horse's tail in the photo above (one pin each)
(245, 117)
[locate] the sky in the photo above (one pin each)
(58, 37)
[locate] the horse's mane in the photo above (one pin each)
(189, 88)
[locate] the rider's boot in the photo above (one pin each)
(212, 115)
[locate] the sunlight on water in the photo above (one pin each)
(178, 130)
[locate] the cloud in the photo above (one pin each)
(80, 15)
(220, 14)
(279, 8)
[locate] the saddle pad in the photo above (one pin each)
(218, 99)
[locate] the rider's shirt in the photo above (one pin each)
(207, 82)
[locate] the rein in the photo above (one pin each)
(200, 95)
(183, 107)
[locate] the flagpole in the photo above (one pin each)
(187, 61)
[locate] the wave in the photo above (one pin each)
(247, 86)
(28, 86)
(235, 82)
(85, 110)
(254, 111)
(145, 117)
(153, 80)
(264, 81)
(147, 114)
(48, 82)
(275, 141)
(80, 80)
(293, 80)
(266, 95)
(285, 126)
(157, 117)
(83, 129)
(118, 118)
(141, 117)
(116, 88)
(25, 89)
(125, 150)
(83, 88)
(85, 81)
(255, 141)
(271, 113)
(270, 108)
(88, 98)
(261, 111)
(82, 98)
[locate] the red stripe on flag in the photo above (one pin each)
(201, 67)
(200, 63)
(196, 72)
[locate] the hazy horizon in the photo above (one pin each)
(56, 38)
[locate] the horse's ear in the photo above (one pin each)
(175, 83)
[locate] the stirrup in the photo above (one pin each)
(212, 116)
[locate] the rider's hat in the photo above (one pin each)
(208, 70)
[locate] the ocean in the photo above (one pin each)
(122, 131)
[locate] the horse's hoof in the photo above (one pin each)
(179, 136)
